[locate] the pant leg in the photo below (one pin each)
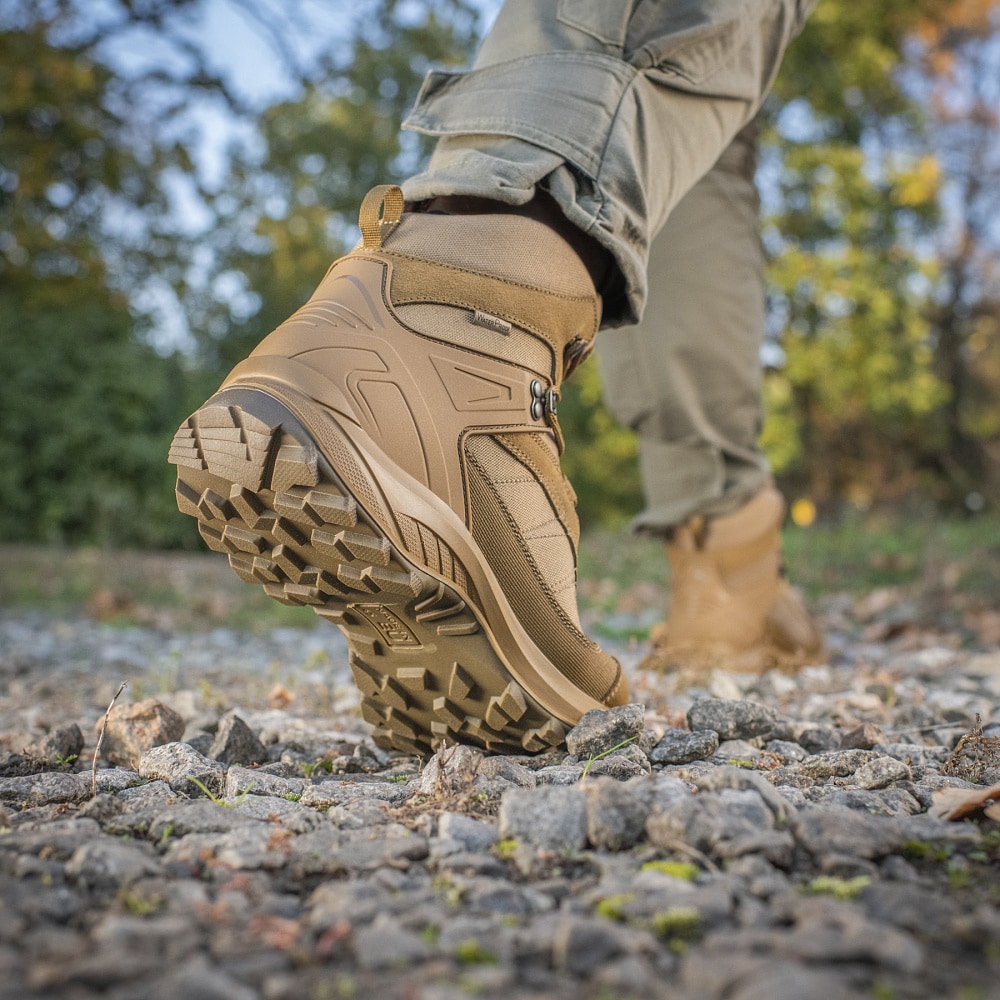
(616, 107)
(687, 379)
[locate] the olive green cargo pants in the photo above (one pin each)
(636, 116)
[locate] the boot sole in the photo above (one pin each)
(423, 643)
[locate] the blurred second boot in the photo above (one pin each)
(730, 605)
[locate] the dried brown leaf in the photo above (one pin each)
(959, 803)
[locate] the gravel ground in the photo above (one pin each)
(727, 836)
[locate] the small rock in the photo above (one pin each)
(202, 742)
(736, 752)
(708, 820)
(915, 753)
(601, 729)
(616, 813)
(49, 788)
(241, 779)
(385, 945)
(732, 720)
(582, 944)
(502, 767)
(198, 979)
(835, 829)
(116, 779)
(835, 763)
(340, 793)
(109, 864)
(452, 769)
(628, 762)
(147, 795)
(102, 808)
(472, 834)
(863, 737)
(550, 816)
(198, 816)
(819, 739)
(180, 766)
(559, 774)
(236, 743)
(880, 772)
(132, 729)
(659, 791)
(786, 749)
(61, 746)
(678, 746)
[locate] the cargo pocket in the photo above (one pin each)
(696, 43)
(605, 20)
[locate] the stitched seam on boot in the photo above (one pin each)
(516, 532)
(561, 504)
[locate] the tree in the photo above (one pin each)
(860, 405)
(322, 152)
(955, 71)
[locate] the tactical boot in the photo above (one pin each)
(390, 457)
(730, 604)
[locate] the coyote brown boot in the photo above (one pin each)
(730, 605)
(390, 457)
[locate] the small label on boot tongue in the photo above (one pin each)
(481, 318)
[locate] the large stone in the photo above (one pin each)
(603, 729)
(550, 816)
(183, 768)
(732, 720)
(133, 729)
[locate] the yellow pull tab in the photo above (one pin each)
(382, 206)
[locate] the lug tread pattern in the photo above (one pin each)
(265, 496)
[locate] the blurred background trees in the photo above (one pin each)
(159, 214)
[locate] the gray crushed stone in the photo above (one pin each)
(741, 837)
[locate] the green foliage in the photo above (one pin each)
(613, 907)
(471, 952)
(675, 869)
(839, 888)
(878, 395)
(891, 342)
(324, 150)
(601, 457)
(87, 408)
(679, 923)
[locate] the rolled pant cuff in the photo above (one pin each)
(538, 120)
(564, 102)
(684, 479)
